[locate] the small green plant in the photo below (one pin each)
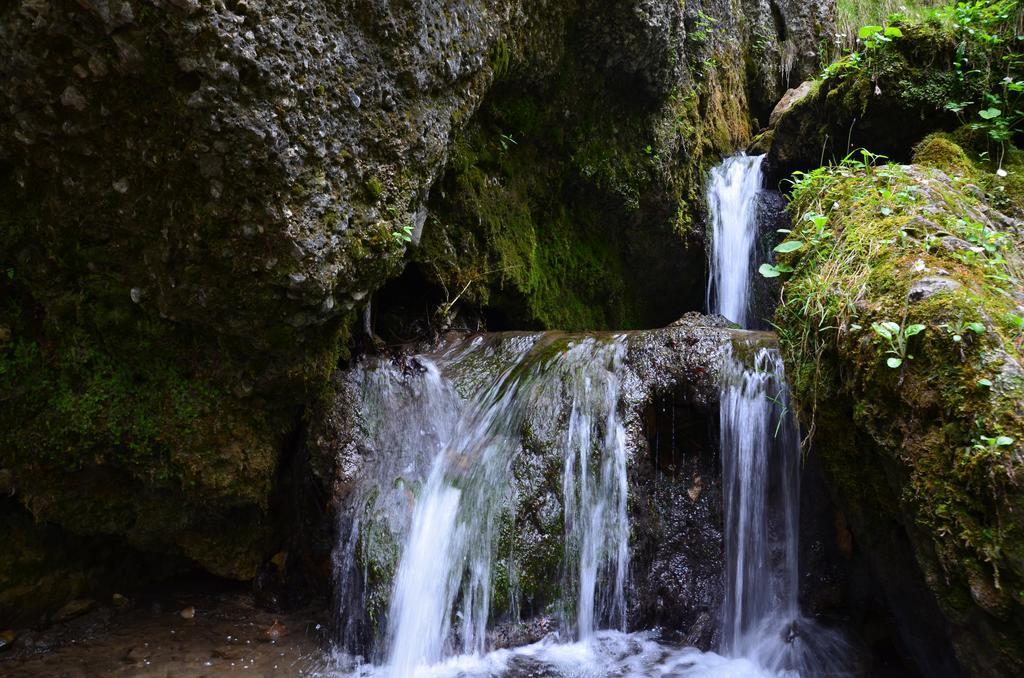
(957, 330)
(702, 28)
(774, 270)
(875, 37)
(815, 238)
(403, 235)
(506, 141)
(991, 445)
(898, 338)
(983, 238)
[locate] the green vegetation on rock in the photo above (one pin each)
(908, 75)
(902, 313)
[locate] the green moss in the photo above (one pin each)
(374, 189)
(118, 423)
(508, 238)
(560, 199)
(939, 150)
(922, 442)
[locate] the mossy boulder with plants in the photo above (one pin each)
(902, 310)
(903, 78)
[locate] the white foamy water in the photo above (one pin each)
(604, 654)
(732, 200)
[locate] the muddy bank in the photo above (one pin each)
(190, 632)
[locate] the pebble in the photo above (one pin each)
(275, 631)
(7, 637)
(75, 608)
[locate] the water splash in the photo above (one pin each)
(606, 654)
(732, 199)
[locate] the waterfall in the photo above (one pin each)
(418, 557)
(760, 475)
(732, 200)
(760, 451)
(439, 605)
(761, 478)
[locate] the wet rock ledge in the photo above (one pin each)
(670, 383)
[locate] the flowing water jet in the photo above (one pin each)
(732, 200)
(760, 450)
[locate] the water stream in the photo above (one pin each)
(732, 199)
(760, 450)
(450, 456)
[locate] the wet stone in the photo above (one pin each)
(927, 287)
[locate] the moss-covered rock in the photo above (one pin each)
(926, 75)
(563, 195)
(903, 314)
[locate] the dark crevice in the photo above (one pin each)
(294, 575)
(781, 32)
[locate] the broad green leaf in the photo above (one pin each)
(866, 32)
(894, 362)
(893, 328)
(977, 328)
(912, 330)
(990, 113)
(768, 271)
(893, 32)
(881, 330)
(987, 383)
(1003, 441)
(819, 220)
(788, 246)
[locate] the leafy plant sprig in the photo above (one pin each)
(898, 338)
(403, 235)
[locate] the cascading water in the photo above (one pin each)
(732, 199)
(442, 587)
(761, 477)
(447, 430)
(760, 452)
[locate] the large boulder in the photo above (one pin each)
(884, 97)
(197, 198)
(901, 329)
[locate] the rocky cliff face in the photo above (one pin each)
(197, 199)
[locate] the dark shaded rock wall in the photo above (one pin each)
(198, 198)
